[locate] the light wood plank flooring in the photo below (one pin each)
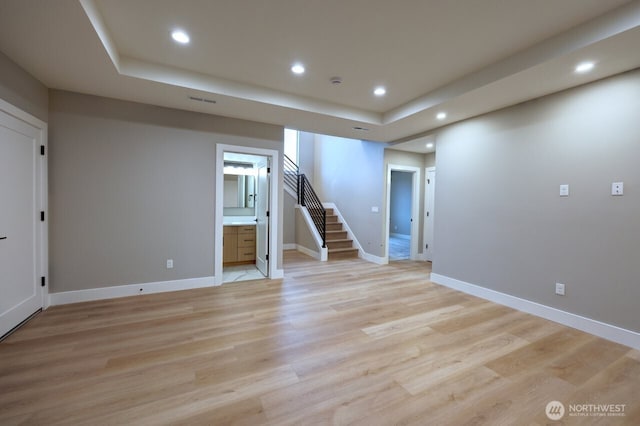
(344, 342)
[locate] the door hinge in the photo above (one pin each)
(426, 246)
(42, 281)
(268, 169)
(267, 213)
(41, 149)
(428, 181)
(427, 214)
(42, 216)
(267, 257)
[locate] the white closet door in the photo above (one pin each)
(20, 288)
(262, 226)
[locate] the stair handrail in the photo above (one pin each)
(291, 173)
(309, 199)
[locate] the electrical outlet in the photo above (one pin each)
(169, 263)
(560, 289)
(617, 188)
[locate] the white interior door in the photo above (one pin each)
(262, 217)
(20, 289)
(429, 207)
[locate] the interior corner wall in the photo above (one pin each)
(22, 90)
(132, 185)
(429, 160)
(348, 172)
(500, 221)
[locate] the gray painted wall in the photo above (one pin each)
(348, 173)
(306, 154)
(400, 203)
(429, 159)
(304, 237)
(22, 90)
(500, 221)
(289, 219)
(131, 185)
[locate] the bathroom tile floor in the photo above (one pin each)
(241, 273)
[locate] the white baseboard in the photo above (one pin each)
(289, 246)
(597, 328)
(277, 273)
(101, 293)
(373, 258)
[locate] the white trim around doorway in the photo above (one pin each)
(42, 227)
(274, 255)
(415, 208)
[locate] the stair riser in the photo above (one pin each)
(334, 227)
(336, 235)
(351, 254)
(339, 244)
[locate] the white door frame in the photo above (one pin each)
(428, 208)
(273, 202)
(262, 219)
(415, 208)
(42, 229)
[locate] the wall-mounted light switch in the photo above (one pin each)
(617, 188)
(564, 190)
(169, 263)
(374, 209)
(560, 289)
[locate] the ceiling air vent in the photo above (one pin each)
(196, 98)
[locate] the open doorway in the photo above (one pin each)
(402, 213)
(245, 222)
(245, 207)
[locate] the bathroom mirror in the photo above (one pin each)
(239, 191)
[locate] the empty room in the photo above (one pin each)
(324, 212)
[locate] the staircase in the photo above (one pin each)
(332, 233)
(338, 245)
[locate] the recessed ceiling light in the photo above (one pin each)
(584, 67)
(429, 145)
(180, 36)
(297, 69)
(441, 115)
(379, 91)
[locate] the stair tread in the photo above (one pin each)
(338, 250)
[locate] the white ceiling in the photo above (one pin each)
(462, 57)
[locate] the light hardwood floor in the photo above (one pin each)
(344, 342)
